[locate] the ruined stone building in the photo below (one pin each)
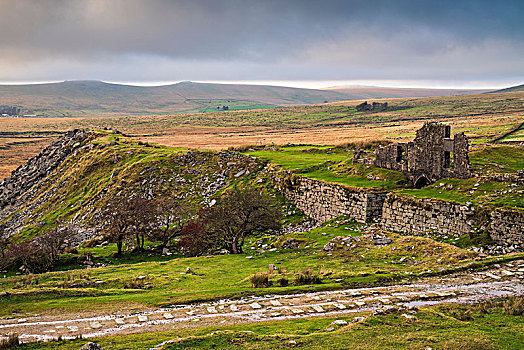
(376, 106)
(431, 156)
(9, 110)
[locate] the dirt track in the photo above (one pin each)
(506, 280)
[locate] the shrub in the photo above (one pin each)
(283, 281)
(11, 341)
(514, 306)
(307, 277)
(461, 313)
(134, 284)
(260, 280)
(485, 307)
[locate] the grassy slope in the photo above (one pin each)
(94, 98)
(512, 89)
(366, 264)
(331, 164)
(101, 171)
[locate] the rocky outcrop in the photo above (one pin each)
(30, 174)
(77, 175)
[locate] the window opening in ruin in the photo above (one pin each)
(447, 131)
(448, 159)
(400, 154)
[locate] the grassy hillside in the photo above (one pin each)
(109, 165)
(99, 99)
(512, 89)
(95, 98)
(381, 92)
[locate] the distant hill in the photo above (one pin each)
(365, 92)
(95, 98)
(511, 89)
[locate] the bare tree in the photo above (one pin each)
(126, 217)
(238, 214)
(172, 216)
(5, 241)
(54, 242)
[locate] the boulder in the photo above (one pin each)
(91, 346)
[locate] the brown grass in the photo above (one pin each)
(485, 116)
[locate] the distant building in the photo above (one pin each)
(376, 106)
(9, 110)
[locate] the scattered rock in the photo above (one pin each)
(91, 346)
(291, 244)
(318, 308)
(255, 306)
(381, 240)
(339, 322)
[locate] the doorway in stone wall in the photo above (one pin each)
(422, 181)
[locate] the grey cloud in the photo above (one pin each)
(249, 39)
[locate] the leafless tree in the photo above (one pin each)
(5, 241)
(126, 217)
(54, 242)
(172, 216)
(238, 214)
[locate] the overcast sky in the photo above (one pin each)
(439, 43)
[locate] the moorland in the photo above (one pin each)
(360, 295)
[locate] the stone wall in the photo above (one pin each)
(401, 213)
(322, 201)
(418, 215)
(507, 227)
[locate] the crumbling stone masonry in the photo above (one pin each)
(415, 216)
(376, 106)
(322, 201)
(507, 227)
(431, 156)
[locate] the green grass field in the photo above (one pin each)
(228, 276)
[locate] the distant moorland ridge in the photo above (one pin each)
(96, 98)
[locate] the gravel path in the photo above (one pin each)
(506, 280)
